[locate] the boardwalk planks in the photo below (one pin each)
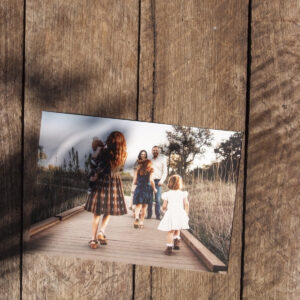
(197, 77)
(81, 57)
(11, 59)
(126, 245)
(271, 268)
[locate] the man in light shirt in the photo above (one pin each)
(159, 165)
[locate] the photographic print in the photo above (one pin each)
(135, 192)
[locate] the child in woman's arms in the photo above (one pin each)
(97, 146)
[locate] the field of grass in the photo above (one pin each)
(211, 214)
(56, 191)
(53, 199)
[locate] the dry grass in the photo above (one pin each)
(211, 214)
(126, 184)
(53, 199)
(58, 190)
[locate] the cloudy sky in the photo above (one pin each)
(60, 132)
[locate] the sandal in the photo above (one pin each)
(141, 226)
(93, 244)
(102, 238)
(136, 223)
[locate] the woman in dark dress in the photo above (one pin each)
(143, 193)
(142, 156)
(107, 196)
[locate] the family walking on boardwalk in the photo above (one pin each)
(106, 196)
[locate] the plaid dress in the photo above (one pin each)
(107, 196)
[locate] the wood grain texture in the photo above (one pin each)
(81, 57)
(11, 57)
(142, 282)
(199, 58)
(61, 277)
(197, 77)
(272, 259)
(147, 62)
(143, 274)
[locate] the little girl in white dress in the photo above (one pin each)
(176, 217)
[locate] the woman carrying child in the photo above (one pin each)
(107, 197)
(143, 179)
(176, 217)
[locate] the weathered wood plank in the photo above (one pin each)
(69, 213)
(11, 58)
(147, 63)
(210, 260)
(199, 58)
(81, 57)
(61, 277)
(142, 282)
(197, 77)
(271, 268)
(143, 274)
(78, 61)
(40, 226)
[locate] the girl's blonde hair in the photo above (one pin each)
(116, 148)
(175, 182)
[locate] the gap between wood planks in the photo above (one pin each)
(246, 136)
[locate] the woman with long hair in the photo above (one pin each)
(107, 197)
(142, 156)
(143, 193)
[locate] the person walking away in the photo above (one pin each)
(176, 217)
(143, 192)
(142, 156)
(107, 198)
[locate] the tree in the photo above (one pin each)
(230, 152)
(184, 144)
(170, 151)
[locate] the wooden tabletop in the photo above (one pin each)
(125, 243)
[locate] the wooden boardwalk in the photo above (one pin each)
(125, 243)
